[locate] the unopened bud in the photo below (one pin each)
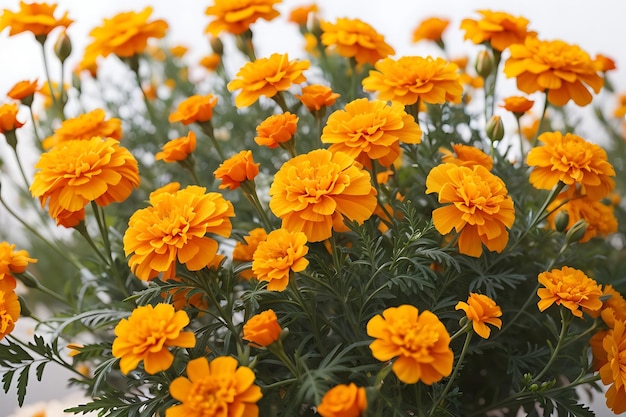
(24, 310)
(495, 129)
(217, 46)
(561, 221)
(63, 46)
(577, 231)
(484, 63)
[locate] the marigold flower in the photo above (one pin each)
(244, 251)
(184, 296)
(517, 105)
(613, 307)
(371, 130)
(604, 63)
(211, 62)
(477, 206)
(9, 308)
(236, 16)
(237, 169)
(276, 129)
(572, 160)
(353, 38)
(499, 29)
(412, 78)
(8, 118)
(178, 149)
(281, 253)
(430, 29)
(600, 217)
(216, 388)
(313, 193)
(465, 155)
(300, 15)
(419, 342)
(13, 261)
(612, 372)
(24, 91)
(564, 71)
(76, 172)
(146, 335)
(343, 400)
(37, 18)
(570, 288)
(481, 310)
(174, 227)
(316, 97)
(194, 109)
(85, 127)
(262, 329)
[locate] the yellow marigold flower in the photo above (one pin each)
(174, 227)
(316, 97)
(477, 206)
(13, 261)
(146, 335)
(8, 118)
(499, 29)
(9, 308)
(371, 130)
(194, 109)
(216, 388)
(276, 129)
(600, 217)
(353, 38)
(572, 160)
(85, 127)
(343, 400)
(465, 155)
(612, 372)
(237, 169)
(481, 310)
(76, 172)
(37, 18)
(281, 253)
(430, 29)
(300, 15)
(211, 62)
(178, 149)
(24, 91)
(517, 105)
(313, 192)
(412, 78)
(419, 342)
(570, 288)
(266, 77)
(244, 251)
(262, 329)
(236, 16)
(562, 70)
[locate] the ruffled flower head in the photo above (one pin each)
(353, 38)
(235, 17)
(280, 254)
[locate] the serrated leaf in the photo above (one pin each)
(22, 383)
(40, 369)
(7, 377)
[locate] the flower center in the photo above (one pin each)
(211, 396)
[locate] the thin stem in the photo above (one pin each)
(207, 128)
(565, 322)
(541, 121)
(277, 349)
(51, 358)
(55, 103)
(32, 282)
(249, 191)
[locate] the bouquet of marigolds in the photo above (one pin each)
(347, 233)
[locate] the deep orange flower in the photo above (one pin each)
(317, 97)
(37, 18)
(244, 251)
(481, 310)
(281, 253)
(237, 169)
(430, 29)
(9, 307)
(236, 16)
(85, 127)
(24, 91)
(313, 193)
(412, 78)
(499, 29)
(371, 130)
(517, 105)
(262, 329)
(266, 77)
(174, 227)
(562, 70)
(178, 149)
(216, 388)
(477, 206)
(146, 335)
(300, 15)
(604, 63)
(343, 400)
(570, 288)
(419, 342)
(613, 307)
(600, 217)
(8, 118)
(572, 160)
(13, 261)
(276, 129)
(185, 296)
(614, 370)
(194, 109)
(620, 110)
(76, 172)
(465, 155)
(211, 62)
(353, 38)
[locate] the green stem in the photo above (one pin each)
(565, 322)
(207, 128)
(49, 356)
(541, 121)
(278, 349)
(32, 282)
(55, 103)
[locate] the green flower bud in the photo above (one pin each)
(577, 231)
(484, 63)
(561, 221)
(495, 129)
(63, 47)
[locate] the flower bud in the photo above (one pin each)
(217, 46)
(577, 231)
(561, 221)
(484, 63)
(495, 129)
(63, 46)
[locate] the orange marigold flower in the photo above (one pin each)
(419, 342)
(276, 129)
(185, 296)
(430, 29)
(237, 169)
(262, 329)
(146, 335)
(477, 206)
(313, 193)
(613, 307)
(194, 109)
(600, 217)
(8, 118)
(211, 62)
(76, 172)
(570, 288)
(620, 110)
(562, 70)
(13, 261)
(572, 160)
(481, 310)
(266, 77)
(300, 15)
(412, 78)
(465, 155)
(37, 18)
(174, 227)
(281, 253)
(612, 372)
(353, 38)
(85, 127)
(216, 388)
(371, 130)
(178, 149)
(499, 29)
(236, 16)
(244, 251)
(517, 105)
(24, 91)
(317, 97)
(343, 400)
(9, 308)
(604, 63)
(69, 219)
